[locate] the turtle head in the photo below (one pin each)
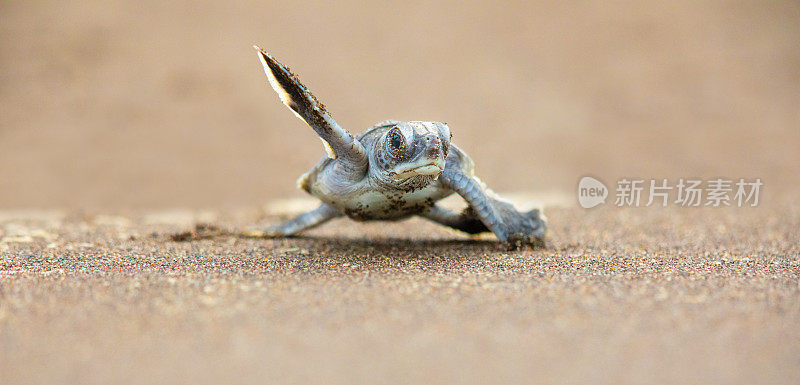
(410, 154)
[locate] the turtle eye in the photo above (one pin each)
(396, 143)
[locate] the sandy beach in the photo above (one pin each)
(663, 296)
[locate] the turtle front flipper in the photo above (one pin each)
(510, 225)
(466, 221)
(338, 142)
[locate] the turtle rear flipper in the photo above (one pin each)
(337, 141)
(305, 221)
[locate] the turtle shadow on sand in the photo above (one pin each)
(365, 245)
(378, 252)
(471, 245)
(397, 243)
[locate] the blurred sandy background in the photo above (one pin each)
(162, 104)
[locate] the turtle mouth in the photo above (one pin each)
(434, 169)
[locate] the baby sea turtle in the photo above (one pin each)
(392, 171)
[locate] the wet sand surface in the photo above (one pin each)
(636, 295)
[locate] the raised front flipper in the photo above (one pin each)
(338, 142)
(500, 216)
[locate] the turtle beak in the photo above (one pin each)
(423, 167)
